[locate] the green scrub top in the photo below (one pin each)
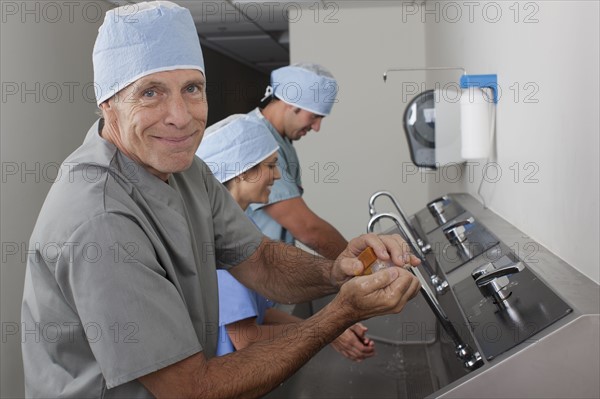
(121, 273)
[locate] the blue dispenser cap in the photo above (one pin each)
(490, 81)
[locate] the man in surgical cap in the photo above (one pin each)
(120, 296)
(297, 100)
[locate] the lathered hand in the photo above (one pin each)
(386, 247)
(384, 292)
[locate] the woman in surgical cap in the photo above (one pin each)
(242, 154)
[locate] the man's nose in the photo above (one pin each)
(316, 125)
(178, 111)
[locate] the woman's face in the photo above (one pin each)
(257, 182)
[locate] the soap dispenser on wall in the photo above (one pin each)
(478, 115)
(451, 125)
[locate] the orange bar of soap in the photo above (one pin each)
(367, 257)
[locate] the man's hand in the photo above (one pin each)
(387, 248)
(384, 292)
(353, 344)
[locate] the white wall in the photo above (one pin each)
(361, 146)
(46, 63)
(546, 56)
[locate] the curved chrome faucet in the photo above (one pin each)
(471, 360)
(425, 248)
(441, 285)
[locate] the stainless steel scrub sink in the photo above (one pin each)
(532, 320)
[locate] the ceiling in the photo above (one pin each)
(254, 33)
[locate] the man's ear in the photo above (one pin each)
(106, 105)
(108, 109)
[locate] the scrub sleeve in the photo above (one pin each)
(236, 302)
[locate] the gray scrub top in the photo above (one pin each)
(121, 278)
(288, 187)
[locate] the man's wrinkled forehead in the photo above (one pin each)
(182, 76)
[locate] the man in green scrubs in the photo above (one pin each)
(120, 295)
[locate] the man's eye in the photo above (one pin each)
(149, 93)
(192, 89)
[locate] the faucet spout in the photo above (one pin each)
(425, 248)
(419, 248)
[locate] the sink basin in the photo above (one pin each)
(411, 361)
(397, 371)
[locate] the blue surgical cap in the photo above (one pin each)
(140, 39)
(236, 146)
(307, 86)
